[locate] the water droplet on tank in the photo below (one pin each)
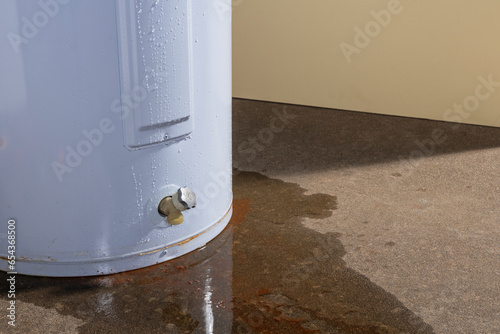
(154, 5)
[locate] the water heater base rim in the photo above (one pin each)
(123, 263)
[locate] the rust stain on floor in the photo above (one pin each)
(241, 206)
(290, 279)
(265, 273)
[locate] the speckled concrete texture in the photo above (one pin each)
(418, 201)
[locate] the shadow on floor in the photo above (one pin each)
(266, 134)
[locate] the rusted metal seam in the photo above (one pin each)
(99, 260)
(189, 239)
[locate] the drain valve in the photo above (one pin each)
(171, 206)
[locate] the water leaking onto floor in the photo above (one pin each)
(265, 273)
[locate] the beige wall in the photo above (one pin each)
(428, 57)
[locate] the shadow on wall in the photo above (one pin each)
(267, 135)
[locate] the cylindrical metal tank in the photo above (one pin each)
(106, 108)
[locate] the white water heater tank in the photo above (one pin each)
(107, 109)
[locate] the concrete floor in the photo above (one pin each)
(343, 222)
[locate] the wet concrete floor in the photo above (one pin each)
(343, 222)
(266, 273)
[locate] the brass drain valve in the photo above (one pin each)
(172, 206)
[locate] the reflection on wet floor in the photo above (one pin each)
(265, 273)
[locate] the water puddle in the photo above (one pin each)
(265, 273)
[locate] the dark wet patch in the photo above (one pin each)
(183, 322)
(277, 202)
(307, 286)
(265, 273)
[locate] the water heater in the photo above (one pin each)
(115, 132)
